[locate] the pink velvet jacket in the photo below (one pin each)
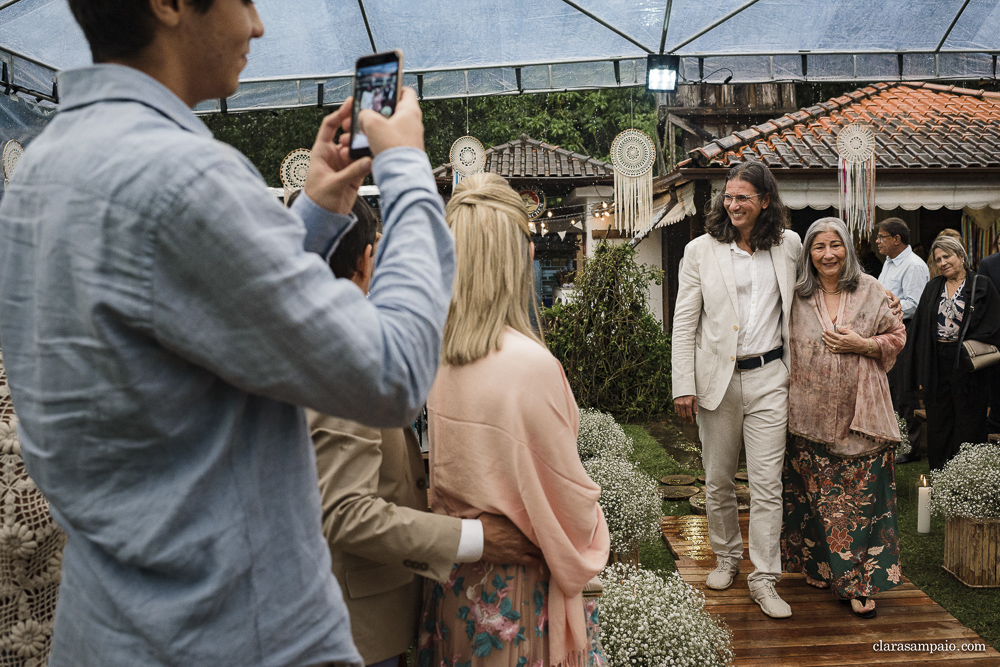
(503, 440)
(842, 400)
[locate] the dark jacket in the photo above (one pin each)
(980, 321)
(990, 267)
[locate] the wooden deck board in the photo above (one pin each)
(822, 631)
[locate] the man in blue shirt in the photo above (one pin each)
(905, 275)
(162, 317)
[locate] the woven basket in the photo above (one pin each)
(972, 551)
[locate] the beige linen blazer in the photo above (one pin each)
(381, 536)
(706, 316)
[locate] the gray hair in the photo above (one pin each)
(807, 279)
(951, 246)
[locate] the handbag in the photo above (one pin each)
(974, 355)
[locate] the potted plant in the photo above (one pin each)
(646, 620)
(967, 493)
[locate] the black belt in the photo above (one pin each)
(750, 363)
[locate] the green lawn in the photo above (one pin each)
(921, 555)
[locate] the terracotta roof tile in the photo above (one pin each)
(915, 125)
(528, 158)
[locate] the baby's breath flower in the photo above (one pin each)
(601, 434)
(904, 434)
(647, 621)
(631, 505)
(969, 484)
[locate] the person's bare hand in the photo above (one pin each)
(845, 341)
(686, 408)
(894, 305)
(404, 128)
(333, 180)
(505, 544)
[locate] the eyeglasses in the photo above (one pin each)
(728, 199)
(884, 237)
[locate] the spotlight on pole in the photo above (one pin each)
(661, 73)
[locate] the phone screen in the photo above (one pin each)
(375, 89)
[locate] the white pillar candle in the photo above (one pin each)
(924, 509)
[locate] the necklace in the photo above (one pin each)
(830, 293)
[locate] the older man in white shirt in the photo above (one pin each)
(905, 275)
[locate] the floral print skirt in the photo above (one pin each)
(491, 615)
(839, 518)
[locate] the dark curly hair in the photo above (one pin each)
(771, 222)
(119, 28)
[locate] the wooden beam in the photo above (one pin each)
(699, 132)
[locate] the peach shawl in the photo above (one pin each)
(842, 400)
(503, 440)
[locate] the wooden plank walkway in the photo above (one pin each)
(822, 630)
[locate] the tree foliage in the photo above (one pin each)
(614, 351)
(585, 122)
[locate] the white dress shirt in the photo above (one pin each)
(759, 302)
(905, 275)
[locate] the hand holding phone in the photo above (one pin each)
(377, 84)
(333, 179)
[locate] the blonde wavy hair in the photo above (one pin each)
(494, 278)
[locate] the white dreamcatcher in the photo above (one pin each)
(632, 155)
(12, 152)
(294, 169)
(467, 157)
(856, 146)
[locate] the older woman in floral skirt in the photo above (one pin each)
(839, 482)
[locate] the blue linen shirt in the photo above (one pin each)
(905, 275)
(161, 320)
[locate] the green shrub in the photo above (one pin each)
(616, 355)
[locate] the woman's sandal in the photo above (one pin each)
(817, 583)
(871, 613)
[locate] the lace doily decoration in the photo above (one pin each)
(31, 546)
(12, 152)
(294, 168)
(856, 143)
(467, 156)
(633, 153)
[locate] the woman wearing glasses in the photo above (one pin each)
(730, 368)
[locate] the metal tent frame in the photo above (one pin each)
(464, 48)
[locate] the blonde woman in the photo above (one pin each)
(503, 427)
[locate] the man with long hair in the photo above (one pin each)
(730, 368)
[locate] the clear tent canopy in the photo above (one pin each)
(458, 48)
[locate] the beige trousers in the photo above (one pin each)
(753, 412)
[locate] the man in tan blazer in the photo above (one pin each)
(373, 488)
(730, 357)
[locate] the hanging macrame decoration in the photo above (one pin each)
(467, 157)
(294, 169)
(856, 145)
(633, 154)
(12, 152)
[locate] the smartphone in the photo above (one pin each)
(377, 86)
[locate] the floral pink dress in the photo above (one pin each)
(495, 614)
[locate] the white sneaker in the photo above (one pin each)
(770, 602)
(723, 575)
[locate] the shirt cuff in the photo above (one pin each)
(470, 544)
(324, 228)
